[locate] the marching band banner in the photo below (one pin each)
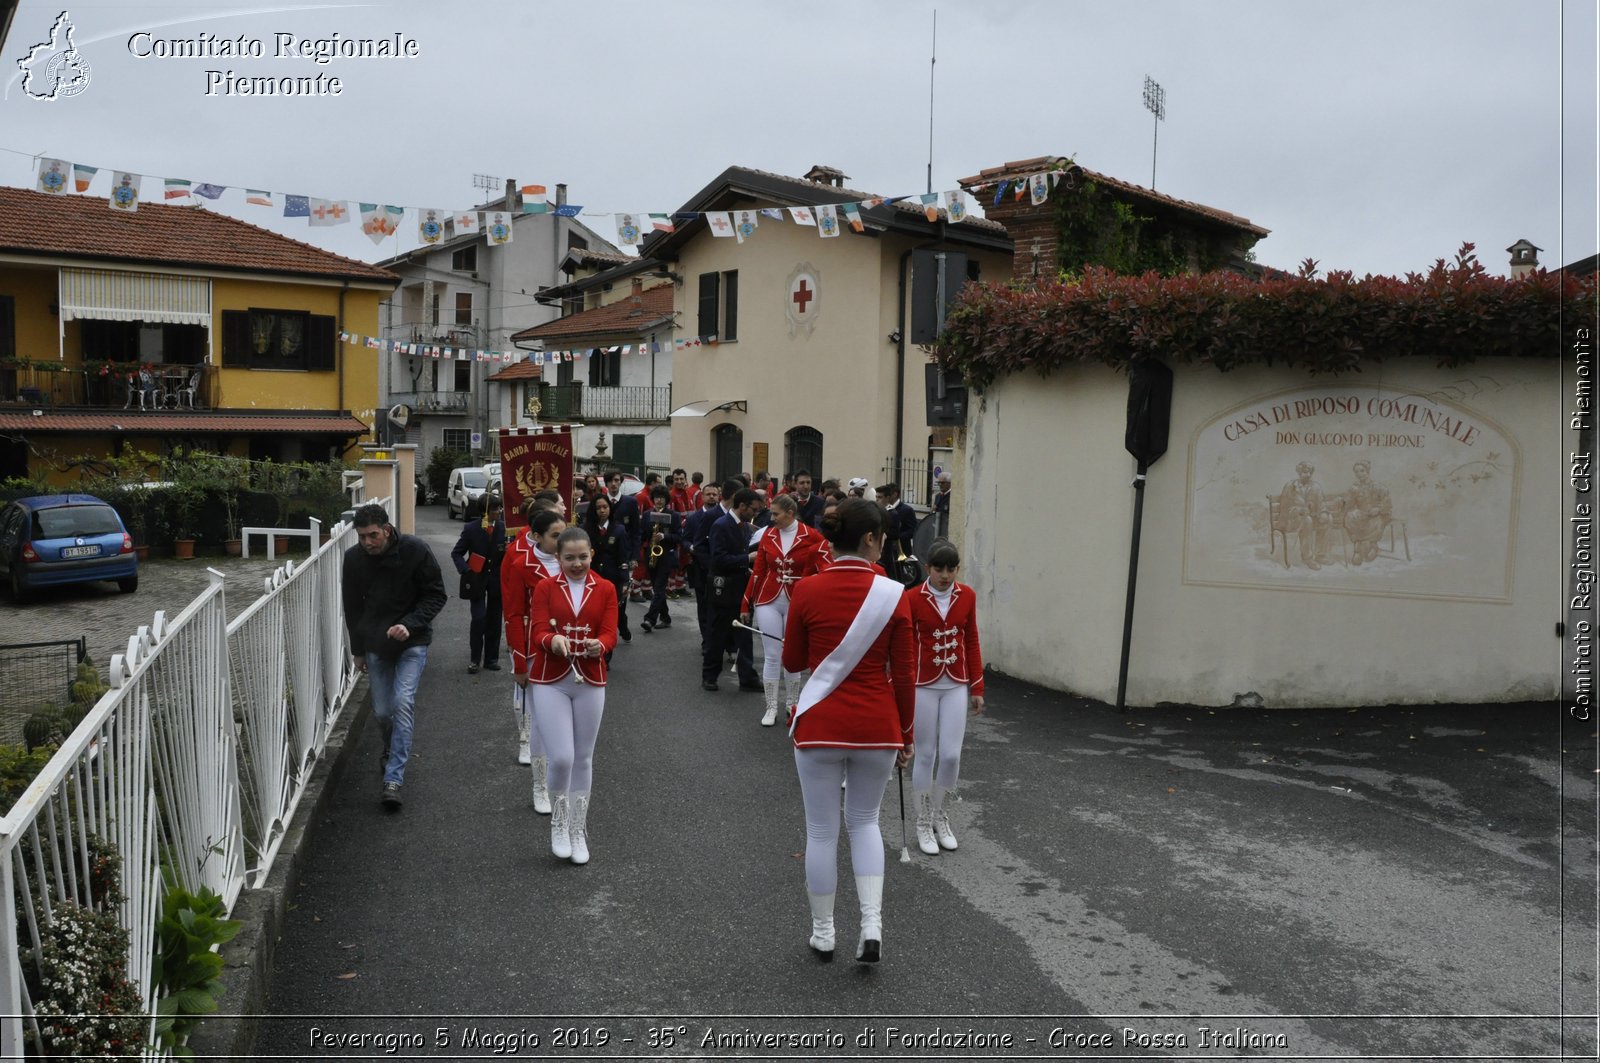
(534, 460)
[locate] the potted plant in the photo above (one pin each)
(185, 499)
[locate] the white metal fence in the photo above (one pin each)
(191, 766)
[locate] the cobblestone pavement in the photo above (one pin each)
(106, 619)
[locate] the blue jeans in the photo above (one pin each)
(394, 701)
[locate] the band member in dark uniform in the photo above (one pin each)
(662, 533)
(730, 548)
(613, 554)
(477, 556)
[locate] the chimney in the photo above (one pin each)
(826, 175)
(513, 197)
(1524, 258)
(561, 195)
(638, 287)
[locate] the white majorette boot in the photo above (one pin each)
(792, 681)
(560, 840)
(541, 791)
(941, 820)
(869, 946)
(822, 925)
(925, 839)
(769, 688)
(520, 711)
(577, 831)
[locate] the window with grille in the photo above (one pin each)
(458, 439)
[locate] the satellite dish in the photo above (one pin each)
(400, 414)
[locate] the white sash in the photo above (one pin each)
(873, 616)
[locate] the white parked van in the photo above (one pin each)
(467, 485)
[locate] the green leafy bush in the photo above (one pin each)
(187, 964)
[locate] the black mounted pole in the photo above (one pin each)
(1133, 580)
(1149, 411)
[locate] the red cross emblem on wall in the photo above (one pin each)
(803, 296)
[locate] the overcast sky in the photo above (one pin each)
(1371, 136)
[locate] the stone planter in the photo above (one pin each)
(234, 547)
(183, 549)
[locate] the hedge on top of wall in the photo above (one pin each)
(1453, 314)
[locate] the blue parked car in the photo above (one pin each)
(50, 540)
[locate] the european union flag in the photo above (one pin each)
(1000, 191)
(210, 191)
(568, 210)
(297, 206)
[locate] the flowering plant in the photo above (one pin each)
(82, 998)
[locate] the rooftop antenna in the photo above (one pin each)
(1155, 101)
(486, 183)
(933, 58)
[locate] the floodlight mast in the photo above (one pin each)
(1155, 101)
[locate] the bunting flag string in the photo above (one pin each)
(450, 352)
(57, 176)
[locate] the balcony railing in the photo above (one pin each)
(114, 385)
(434, 401)
(579, 402)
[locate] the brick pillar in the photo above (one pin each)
(1033, 234)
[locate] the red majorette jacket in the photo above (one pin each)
(521, 572)
(776, 573)
(947, 645)
(551, 614)
(873, 707)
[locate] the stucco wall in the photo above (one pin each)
(1460, 605)
(838, 378)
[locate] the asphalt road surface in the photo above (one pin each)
(1335, 884)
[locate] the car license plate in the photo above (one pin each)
(80, 551)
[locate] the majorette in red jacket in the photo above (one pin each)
(873, 708)
(521, 572)
(947, 645)
(777, 573)
(552, 614)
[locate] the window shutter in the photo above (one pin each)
(235, 337)
(710, 285)
(319, 342)
(730, 306)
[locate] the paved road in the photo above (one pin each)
(1331, 882)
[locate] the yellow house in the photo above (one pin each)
(809, 352)
(175, 326)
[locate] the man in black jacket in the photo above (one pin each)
(730, 560)
(392, 590)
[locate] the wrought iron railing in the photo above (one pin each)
(434, 401)
(579, 402)
(112, 385)
(190, 767)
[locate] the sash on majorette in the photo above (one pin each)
(873, 616)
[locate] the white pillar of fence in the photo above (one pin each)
(191, 765)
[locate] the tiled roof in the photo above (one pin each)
(208, 422)
(631, 314)
(1026, 167)
(524, 370)
(765, 188)
(589, 257)
(74, 226)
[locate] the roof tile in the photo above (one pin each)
(82, 226)
(199, 423)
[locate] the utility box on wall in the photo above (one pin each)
(946, 398)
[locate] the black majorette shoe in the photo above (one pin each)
(646, 626)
